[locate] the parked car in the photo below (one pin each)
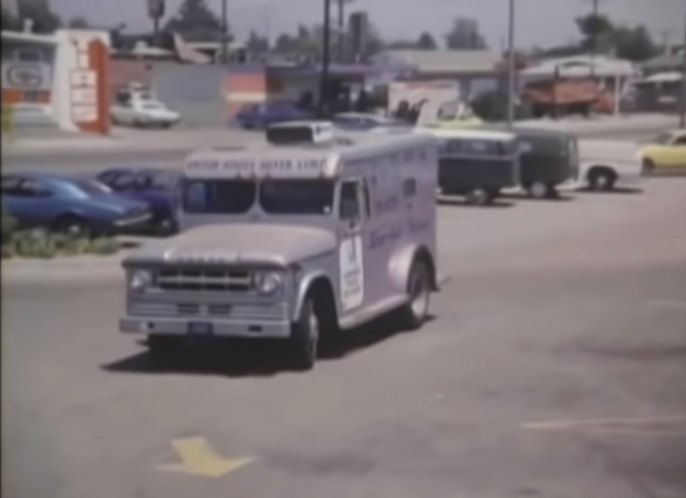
(547, 159)
(605, 165)
(69, 205)
(157, 188)
(143, 113)
(359, 121)
(476, 163)
(262, 115)
(666, 153)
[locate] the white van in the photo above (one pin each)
(292, 242)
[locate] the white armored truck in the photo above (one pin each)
(292, 241)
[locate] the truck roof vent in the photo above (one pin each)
(300, 132)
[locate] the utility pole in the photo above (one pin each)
(595, 12)
(511, 65)
(341, 25)
(682, 119)
(224, 37)
(324, 77)
(341, 28)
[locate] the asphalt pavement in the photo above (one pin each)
(554, 366)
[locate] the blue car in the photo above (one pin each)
(262, 115)
(70, 205)
(358, 121)
(157, 188)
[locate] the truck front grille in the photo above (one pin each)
(237, 311)
(204, 279)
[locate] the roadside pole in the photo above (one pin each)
(324, 77)
(682, 120)
(511, 90)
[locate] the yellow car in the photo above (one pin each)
(667, 153)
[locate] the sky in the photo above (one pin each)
(538, 22)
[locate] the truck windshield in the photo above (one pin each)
(214, 196)
(297, 196)
(218, 196)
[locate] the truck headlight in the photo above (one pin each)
(140, 280)
(268, 283)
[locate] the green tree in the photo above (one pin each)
(79, 23)
(426, 42)
(195, 19)
(39, 12)
(634, 44)
(597, 31)
(257, 44)
(465, 35)
(601, 35)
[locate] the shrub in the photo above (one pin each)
(40, 243)
(103, 246)
(9, 225)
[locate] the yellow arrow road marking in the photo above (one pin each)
(198, 458)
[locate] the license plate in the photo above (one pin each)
(200, 328)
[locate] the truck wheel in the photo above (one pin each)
(477, 197)
(648, 167)
(537, 190)
(492, 195)
(602, 179)
(551, 191)
(416, 311)
(163, 350)
(166, 226)
(305, 337)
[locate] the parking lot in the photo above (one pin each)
(554, 366)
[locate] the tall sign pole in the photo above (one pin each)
(511, 65)
(324, 78)
(156, 13)
(682, 119)
(225, 27)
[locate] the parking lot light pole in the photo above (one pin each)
(511, 90)
(324, 77)
(682, 119)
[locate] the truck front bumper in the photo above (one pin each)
(276, 329)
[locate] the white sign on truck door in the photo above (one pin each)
(352, 273)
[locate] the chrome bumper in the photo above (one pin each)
(137, 220)
(277, 329)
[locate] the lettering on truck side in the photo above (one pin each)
(247, 166)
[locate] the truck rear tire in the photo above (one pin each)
(304, 339)
(478, 197)
(602, 179)
(537, 190)
(416, 311)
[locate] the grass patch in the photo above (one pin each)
(40, 243)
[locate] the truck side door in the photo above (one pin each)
(353, 212)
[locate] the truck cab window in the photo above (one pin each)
(350, 209)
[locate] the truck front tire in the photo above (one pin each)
(305, 336)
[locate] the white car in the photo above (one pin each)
(605, 165)
(144, 113)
